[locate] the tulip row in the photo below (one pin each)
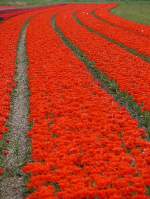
(104, 12)
(130, 72)
(8, 12)
(84, 144)
(129, 39)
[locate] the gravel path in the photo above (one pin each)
(11, 186)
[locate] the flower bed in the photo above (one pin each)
(84, 144)
(130, 72)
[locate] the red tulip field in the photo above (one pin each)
(75, 104)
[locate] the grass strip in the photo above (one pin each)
(110, 86)
(134, 10)
(121, 45)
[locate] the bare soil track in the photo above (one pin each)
(13, 183)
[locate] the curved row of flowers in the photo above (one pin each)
(104, 12)
(125, 37)
(8, 14)
(84, 145)
(130, 72)
(10, 11)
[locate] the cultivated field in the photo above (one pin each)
(75, 101)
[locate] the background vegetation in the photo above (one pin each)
(136, 10)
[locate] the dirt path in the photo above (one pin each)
(11, 186)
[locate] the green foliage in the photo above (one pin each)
(135, 10)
